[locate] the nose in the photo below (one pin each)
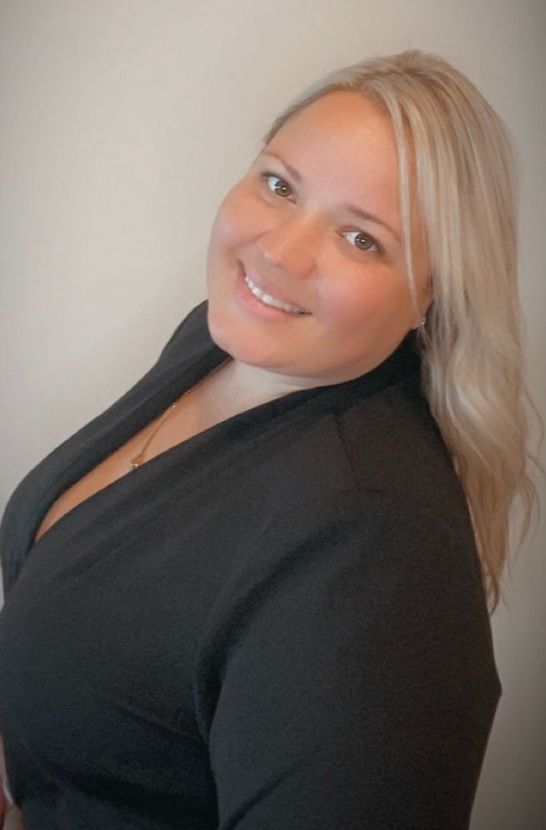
(290, 245)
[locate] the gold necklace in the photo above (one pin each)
(138, 459)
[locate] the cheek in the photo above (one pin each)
(235, 220)
(225, 225)
(373, 299)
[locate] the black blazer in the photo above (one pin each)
(277, 624)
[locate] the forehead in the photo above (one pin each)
(342, 136)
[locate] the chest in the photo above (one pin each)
(191, 416)
(109, 615)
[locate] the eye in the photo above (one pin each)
(363, 241)
(276, 184)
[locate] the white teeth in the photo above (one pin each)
(269, 300)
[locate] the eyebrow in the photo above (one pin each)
(363, 214)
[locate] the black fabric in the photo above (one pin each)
(278, 623)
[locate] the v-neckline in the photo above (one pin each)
(102, 479)
(176, 381)
(173, 382)
(151, 395)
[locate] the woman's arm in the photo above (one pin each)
(12, 820)
(357, 680)
(10, 816)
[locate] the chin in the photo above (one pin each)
(227, 334)
(218, 332)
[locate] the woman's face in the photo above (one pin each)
(316, 223)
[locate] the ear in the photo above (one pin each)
(425, 301)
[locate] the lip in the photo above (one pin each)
(250, 304)
(272, 290)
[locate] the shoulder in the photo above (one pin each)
(381, 442)
(376, 476)
(394, 447)
(363, 497)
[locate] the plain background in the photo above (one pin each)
(123, 124)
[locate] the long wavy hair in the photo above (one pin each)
(460, 154)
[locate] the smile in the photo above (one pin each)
(267, 299)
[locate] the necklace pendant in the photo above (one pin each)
(136, 462)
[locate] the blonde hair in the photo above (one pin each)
(472, 359)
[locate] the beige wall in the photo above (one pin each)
(123, 122)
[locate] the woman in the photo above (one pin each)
(279, 617)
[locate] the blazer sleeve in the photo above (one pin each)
(357, 685)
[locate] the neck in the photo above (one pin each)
(235, 386)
